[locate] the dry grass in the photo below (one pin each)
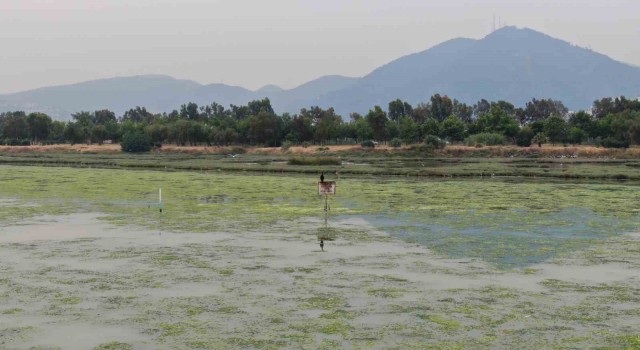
(79, 148)
(545, 151)
(449, 151)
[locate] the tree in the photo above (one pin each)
(539, 139)
(576, 135)
(555, 129)
(99, 134)
(179, 132)
(482, 107)
(399, 109)
(83, 125)
(258, 106)
(39, 126)
(462, 111)
(498, 121)
(377, 120)
(224, 137)
(432, 127)
(623, 126)
(520, 116)
(15, 126)
(409, 130)
(507, 107)
(524, 137)
(75, 133)
(363, 130)
(240, 112)
(453, 128)
(264, 129)
(441, 107)
(157, 133)
(56, 131)
(543, 109)
(325, 124)
(189, 111)
(583, 121)
(301, 129)
(135, 142)
(355, 116)
(113, 130)
(214, 110)
(138, 115)
(103, 117)
(421, 113)
(603, 107)
(195, 133)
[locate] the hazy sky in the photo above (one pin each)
(251, 43)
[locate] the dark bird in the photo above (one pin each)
(322, 177)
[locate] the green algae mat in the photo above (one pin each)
(233, 262)
(506, 222)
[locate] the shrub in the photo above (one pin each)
(315, 161)
(482, 139)
(17, 142)
(422, 149)
(286, 145)
(539, 138)
(611, 142)
(576, 135)
(524, 137)
(237, 150)
(396, 142)
(368, 144)
(434, 142)
(135, 142)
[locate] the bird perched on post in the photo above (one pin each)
(322, 177)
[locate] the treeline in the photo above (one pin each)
(612, 122)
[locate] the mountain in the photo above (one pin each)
(310, 93)
(159, 93)
(155, 92)
(509, 64)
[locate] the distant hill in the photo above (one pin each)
(509, 64)
(159, 93)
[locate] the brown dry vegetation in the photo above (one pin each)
(450, 151)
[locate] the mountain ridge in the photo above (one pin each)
(512, 64)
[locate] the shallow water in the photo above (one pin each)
(507, 222)
(512, 239)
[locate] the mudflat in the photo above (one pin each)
(87, 262)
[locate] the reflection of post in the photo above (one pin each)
(326, 202)
(160, 211)
(326, 216)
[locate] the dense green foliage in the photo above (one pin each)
(610, 123)
(368, 144)
(485, 139)
(135, 141)
(434, 142)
